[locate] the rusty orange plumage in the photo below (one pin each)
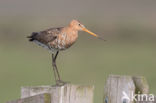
(57, 39)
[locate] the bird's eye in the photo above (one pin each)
(79, 24)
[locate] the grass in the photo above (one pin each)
(23, 64)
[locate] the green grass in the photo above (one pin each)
(23, 64)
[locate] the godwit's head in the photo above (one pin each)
(76, 25)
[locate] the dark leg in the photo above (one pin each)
(55, 66)
(56, 73)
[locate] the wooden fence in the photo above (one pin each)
(118, 89)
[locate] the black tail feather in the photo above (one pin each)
(32, 36)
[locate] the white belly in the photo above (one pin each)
(45, 46)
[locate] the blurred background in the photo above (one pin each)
(128, 26)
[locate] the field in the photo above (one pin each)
(128, 26)
(25, 64)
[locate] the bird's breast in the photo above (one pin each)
(71, 39)
(65, 40)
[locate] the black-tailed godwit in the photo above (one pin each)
(58, 39)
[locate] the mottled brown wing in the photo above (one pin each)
(46, 36)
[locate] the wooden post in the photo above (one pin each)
(141, 84)
(123, 89)
(62, 94)
(41, 98)
(118, 89)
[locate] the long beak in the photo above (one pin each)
(91, 33)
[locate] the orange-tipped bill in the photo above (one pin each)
(91, 33)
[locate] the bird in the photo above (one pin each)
(58, 39)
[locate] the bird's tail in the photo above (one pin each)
(32, 36)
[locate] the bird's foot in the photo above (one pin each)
(61, 83)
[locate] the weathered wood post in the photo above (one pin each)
(67, 93)
(142, 87)
(118, 89)
(127, 89)
(141, 84)
(41, 98)
(62, 94)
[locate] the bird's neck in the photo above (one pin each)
(71, 27)
(71, 30)
(72, 33)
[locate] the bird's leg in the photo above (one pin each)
(54, 67)
(57, 78)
